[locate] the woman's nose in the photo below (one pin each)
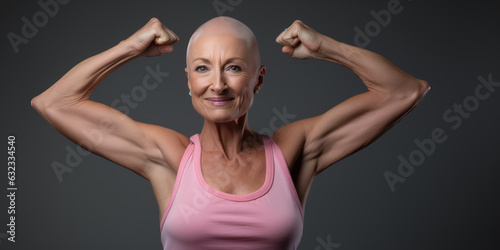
(218, 83)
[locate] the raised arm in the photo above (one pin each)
(99, 128)
(359, 120)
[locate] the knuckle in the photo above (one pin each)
(155, 22)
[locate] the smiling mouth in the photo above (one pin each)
(219, 101)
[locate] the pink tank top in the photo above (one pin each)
(199, 216)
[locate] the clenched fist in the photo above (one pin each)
(153, 39)
(300, 41)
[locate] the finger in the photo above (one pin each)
(153, 19)
(288, 50)
(172, 35)
(289, 37)
(161, 37)
(281, 34)
(164, 36)
(165, 48)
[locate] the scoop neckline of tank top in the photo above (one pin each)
(236, 197)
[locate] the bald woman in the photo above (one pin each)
(229, 187)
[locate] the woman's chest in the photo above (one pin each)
(243, 175)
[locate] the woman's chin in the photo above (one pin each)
(221, 117)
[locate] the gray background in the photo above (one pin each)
(449, 202)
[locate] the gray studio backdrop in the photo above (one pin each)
(429, 183)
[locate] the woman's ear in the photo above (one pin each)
(260, 79)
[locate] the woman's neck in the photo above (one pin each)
(228, 138)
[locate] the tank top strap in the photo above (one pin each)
(182, 166)
(285, 172)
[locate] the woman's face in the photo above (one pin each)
(222, 76)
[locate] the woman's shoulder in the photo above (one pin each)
(290, 138)
(170, 143)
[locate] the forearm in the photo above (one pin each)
(377, 73)
(78, 83)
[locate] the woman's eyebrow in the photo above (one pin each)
(227, 61)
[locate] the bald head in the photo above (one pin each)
(223, 26)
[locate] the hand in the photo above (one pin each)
(154, 39)
(300, 41)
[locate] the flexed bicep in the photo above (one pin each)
(99, 128)
(353, 125)
(107, 132)
(361, 119)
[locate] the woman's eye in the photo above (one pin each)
(235, 67)
(201, 68)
